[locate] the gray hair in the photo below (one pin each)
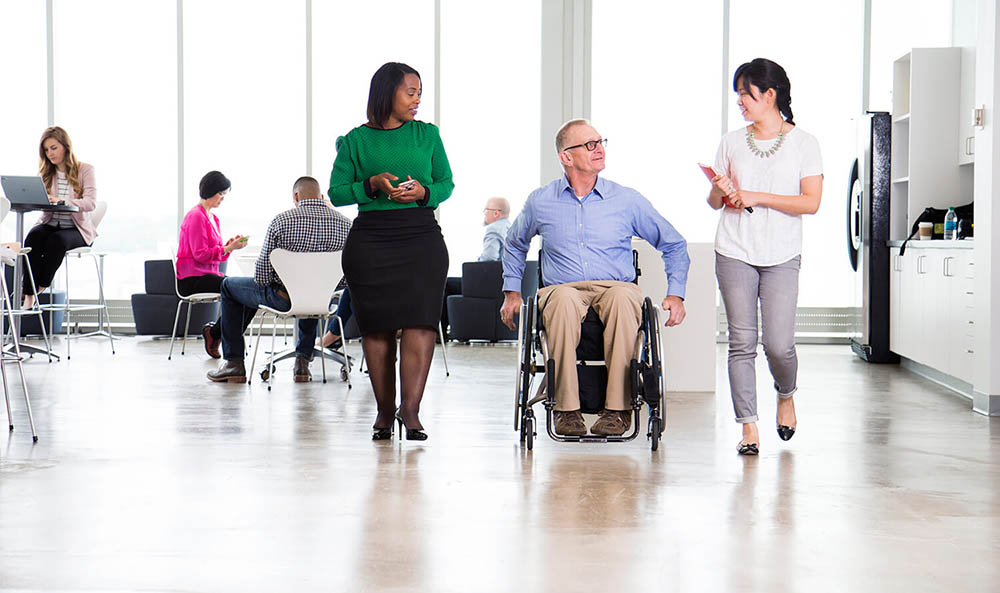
(564, 131)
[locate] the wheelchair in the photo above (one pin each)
(645, 374)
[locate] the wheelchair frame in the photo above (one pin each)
(646, 377)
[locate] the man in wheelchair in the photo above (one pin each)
(586, 224)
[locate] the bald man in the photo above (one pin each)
(496, 219)
(308, 227)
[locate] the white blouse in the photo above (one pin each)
(63, 220)
(767, 237)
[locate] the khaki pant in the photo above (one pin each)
(563, 307)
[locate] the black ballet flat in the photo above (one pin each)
(412, 434)
(785, 432)
(747, 449)
(381, 434)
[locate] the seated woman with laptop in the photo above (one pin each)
(67, 181)
(200, 250)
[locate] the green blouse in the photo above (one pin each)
(414, 149)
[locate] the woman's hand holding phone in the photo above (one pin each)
(408, 191)
(237, 242)
(383, 183)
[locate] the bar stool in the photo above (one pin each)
(15, 356)
(101, 306)
(35, 310)
(8, 258)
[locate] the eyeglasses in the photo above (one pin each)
(590, 146)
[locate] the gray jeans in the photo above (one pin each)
(777, 289)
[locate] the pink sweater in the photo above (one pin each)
(199, 248)
(86, 203)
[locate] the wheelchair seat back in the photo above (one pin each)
(593, 380)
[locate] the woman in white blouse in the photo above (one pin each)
(769, 174)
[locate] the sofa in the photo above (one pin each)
(474, 315)
(154, 310)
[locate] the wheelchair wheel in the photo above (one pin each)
(656, 365)
(525, 373)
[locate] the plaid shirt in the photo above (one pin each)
(311, 226)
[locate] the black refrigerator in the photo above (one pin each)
(868, 235)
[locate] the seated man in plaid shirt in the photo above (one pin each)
(310, 226)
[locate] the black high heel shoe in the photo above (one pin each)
(412, 434)
(382, 434)
(785, 432)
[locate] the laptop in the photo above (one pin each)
(28, 193)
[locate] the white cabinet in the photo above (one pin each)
(926, 85)
(931, 298)
(962, 324)
(966, 103)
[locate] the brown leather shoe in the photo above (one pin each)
(211, 343)
(230, 371)
(569, 424)
(302, 374)
(612, 423)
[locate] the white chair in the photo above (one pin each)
(8, 259)
(101, 306)
(309, 292)
(197, 298)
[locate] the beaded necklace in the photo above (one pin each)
(752, 145)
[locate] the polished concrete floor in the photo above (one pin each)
(147, 477)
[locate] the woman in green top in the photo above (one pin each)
(395, 258)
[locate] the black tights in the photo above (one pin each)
(416, 350)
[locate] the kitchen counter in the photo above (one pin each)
(934, 244)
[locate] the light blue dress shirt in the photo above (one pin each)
(496, 233)
(591, 238)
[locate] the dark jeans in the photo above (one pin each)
(344, 311)
(240, 299)
(49, 245)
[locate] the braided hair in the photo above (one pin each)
(765, 74)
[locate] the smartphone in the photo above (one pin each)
(407, 184)
(245, 239)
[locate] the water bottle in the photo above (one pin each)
(950, 225)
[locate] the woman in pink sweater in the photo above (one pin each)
(200, 250)
(67, 180)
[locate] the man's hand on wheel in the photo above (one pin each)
(675, 307)
(511, 305)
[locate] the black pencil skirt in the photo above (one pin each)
(396, 263)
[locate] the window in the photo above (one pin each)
(244, 108)
(897, 27)
(490, 113)
(23, 106)
(655, 93)
(823, 65)
(346, 55)
(115, 94)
